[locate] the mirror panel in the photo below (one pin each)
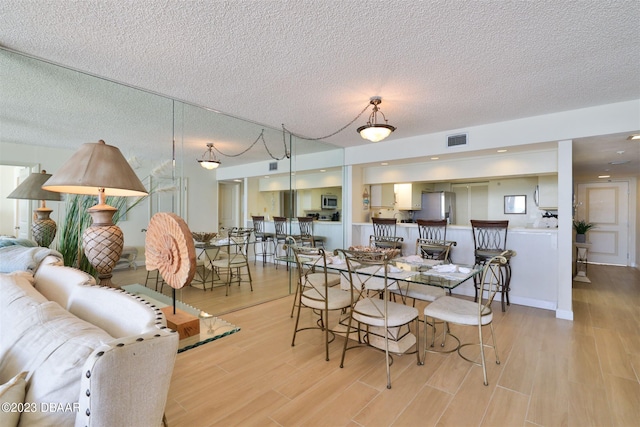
(45, 106)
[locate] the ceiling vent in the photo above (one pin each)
(273, 166)
(456, 140)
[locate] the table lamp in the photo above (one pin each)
(43, 228)
(100, 169)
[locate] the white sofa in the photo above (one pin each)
(93, 356)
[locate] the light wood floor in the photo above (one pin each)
(553, 372)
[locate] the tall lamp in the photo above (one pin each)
(101, 169)
(43, 228)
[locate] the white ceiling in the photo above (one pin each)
(313, 65)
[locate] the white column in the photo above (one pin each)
(565, 238)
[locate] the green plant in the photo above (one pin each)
(582, 226)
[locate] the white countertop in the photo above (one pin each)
(468, 227)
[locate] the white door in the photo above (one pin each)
(229, 205)
(606, 205)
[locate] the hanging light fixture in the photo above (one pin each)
(210, 162)
(374, 131)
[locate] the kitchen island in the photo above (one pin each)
(534, 281)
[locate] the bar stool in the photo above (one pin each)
(263, 238)
(306, 233)
(280, 223)
(434, 232)
(490, 240)
(384, 234)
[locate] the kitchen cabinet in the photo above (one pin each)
(548, 192)
(382, 196)
(409, 196)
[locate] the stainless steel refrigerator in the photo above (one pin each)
(438, 205)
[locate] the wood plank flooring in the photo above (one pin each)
(553, 372)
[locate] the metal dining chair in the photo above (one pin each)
(458, 311)
(381, 323)
(237, 247)
(317, 290)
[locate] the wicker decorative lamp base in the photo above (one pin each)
(103, 242)
(43, 228)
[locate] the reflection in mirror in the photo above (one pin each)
(48, 111)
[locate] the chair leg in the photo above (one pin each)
(325, 326)
(295, 329)
(346, 339)
(484, 366)
(420, 362)
(250, 281)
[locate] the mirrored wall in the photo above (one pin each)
(47, 111)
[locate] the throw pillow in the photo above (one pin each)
(12, 395)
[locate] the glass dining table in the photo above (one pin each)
(414, 269)
(402, 272)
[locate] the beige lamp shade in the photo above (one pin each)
(94, 166)
(31, 188)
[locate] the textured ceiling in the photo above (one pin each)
(313, 65)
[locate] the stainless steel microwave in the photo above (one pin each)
(329, 201)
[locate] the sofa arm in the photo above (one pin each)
(126, 382)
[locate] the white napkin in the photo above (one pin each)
(445, 268)
(334, 260)
(413, 258)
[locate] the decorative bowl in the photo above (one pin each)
(203, 236)
(391, 252)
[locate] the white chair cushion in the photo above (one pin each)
(420, 292)
(456, 310)
(370, 310)
(317, 279)
(314, 298)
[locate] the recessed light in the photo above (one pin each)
(502, 151)
(634, 137)
(267, 176)
(435, 158)
(384, 164)
(323, 170)
(237, 180)
(604, 176)
(620, 152)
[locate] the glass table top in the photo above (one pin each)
(211, 327)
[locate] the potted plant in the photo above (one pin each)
(581, 228)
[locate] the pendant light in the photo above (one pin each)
(210, 162)
(374, 131)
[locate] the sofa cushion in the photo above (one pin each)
(51, 344)
(12, 395)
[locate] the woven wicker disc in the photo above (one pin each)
(169, 249)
